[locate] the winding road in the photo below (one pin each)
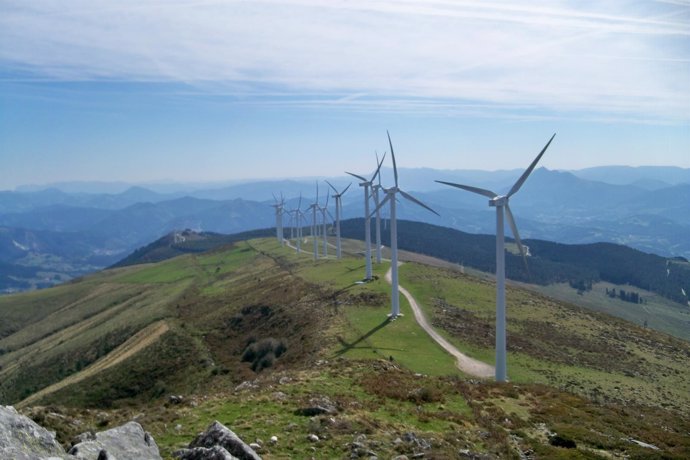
(466, 364)
(469, 366)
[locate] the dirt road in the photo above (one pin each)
(131, 346)
(466, 364)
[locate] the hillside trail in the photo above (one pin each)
(130, 347)
(466, 364)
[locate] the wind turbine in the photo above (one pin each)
(338, 211)
(279, 217)
(324, 222)
(299, 215)
(366, 183)
(390, 197)
(500, 202)
(291, 220)
(375, 189)
(314, 207)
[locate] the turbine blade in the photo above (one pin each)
(395, 167)
(469, 188)
(331, 185)
(343, 192)
(330, 215)
(513, 228)
(415, 200)
(528, 171)
(357, 176)
(379, 178)
(378, 168)
(383, 202)
(299, 203)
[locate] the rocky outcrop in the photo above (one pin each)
(22, 439)
(126, 442)
(218, 435)
(318, 406)
(203, 453)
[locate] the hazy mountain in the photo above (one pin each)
(11, 202)
(552, 205)
(622, 175)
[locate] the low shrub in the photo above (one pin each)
(262, 354)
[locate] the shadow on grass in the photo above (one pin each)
(342, 290)
(350, 346)
(358, 267)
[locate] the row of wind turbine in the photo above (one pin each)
(500, 202)
(366, 184)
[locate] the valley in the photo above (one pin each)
(49, 236)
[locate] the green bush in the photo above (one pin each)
(262, 354)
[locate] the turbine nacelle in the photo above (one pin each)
(499, 201)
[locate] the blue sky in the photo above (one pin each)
(223, 90)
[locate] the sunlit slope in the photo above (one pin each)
(213, 305)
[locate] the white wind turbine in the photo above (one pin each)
(366, 183)
(291, 222)
(390, 197)
(314, 227)
(324, 223)
(279, 217)
(299, 215)
(338, 212)
(375, 189)
(500, 202)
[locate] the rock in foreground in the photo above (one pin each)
(126, 442)
(218, 435)
(22, 439)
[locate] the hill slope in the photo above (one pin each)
(320, 336)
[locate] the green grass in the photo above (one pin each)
(368, 333)
(168, 271)
(563, 345)
(657, 312)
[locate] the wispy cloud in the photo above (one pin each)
(611, 60)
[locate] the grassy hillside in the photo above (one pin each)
(116, 344)
(549, 262)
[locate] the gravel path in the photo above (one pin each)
(466, 364)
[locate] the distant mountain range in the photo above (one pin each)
(51, 235)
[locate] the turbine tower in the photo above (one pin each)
(299, 215)
(324, 222)
(338, 212)
(366, 183)
(314, 207)
(375, 189)
(279, 217)
(500, 202)
(390, 197)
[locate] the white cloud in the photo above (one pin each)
(616, 59)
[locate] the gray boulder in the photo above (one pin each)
(22, 439)
(203, 453)
(219, 435)
(126, 442)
